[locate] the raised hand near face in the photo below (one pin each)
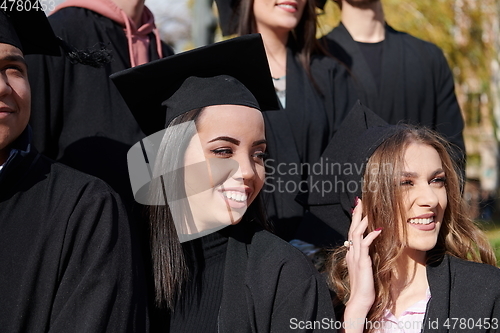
(359, 264)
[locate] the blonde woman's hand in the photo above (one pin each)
(359, 264)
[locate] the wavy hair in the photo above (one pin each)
(384, 207)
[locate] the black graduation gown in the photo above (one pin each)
(298, 134)
(466, 291)
(66, 254)
(198, 308)
(78, 116)
(270, 286)
(416, 85)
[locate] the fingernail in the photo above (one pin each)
(379, 229)
(352, 211)
(356, 200)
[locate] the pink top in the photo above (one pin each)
(410, 321)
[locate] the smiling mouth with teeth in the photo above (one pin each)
(235, 196)
(287, 6)
(421, 221)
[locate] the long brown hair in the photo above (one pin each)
(383, 205)
(302, 40)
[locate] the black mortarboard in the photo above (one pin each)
(235, 71)
(344, 163)
(28, 30)
(229, 14)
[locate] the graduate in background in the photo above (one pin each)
(69, 262)
(79, 118)
(315, 93)
(403, 78)
(215, 267)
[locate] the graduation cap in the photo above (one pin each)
(229, 14)
(28, 29)
(235, 71)
(344, 163)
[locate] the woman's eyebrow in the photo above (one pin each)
(409, 174)
(437, 172)
(256, 143)
(226, 138)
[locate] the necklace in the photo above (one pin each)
(280, 83)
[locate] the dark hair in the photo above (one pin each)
(302, 40)
(458, 236)
(169, 266)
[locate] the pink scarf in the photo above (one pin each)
(138, 40)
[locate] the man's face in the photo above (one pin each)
(15, 97)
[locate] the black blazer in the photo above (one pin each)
(465, 296)
(416, 85)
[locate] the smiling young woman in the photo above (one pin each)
(413, 257)
(220, 194)
(214, 266)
